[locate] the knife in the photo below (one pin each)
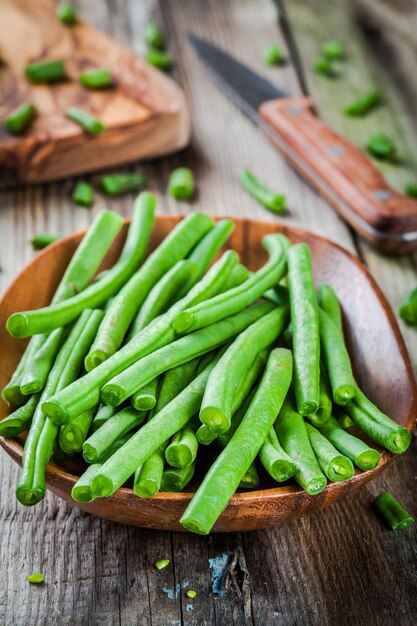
(337, 169)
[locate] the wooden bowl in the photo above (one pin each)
(378, 353)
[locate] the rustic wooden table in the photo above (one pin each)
(338, 566)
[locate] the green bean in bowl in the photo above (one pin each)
(168, 372)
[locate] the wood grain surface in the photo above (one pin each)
(144, 112)
(337, 566)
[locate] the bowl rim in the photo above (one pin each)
(55, 472)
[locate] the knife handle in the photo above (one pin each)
(342, 173)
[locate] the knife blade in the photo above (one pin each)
(341, 172)
(244, 87)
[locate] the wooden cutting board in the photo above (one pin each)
(145, 111)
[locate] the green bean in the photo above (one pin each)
(81, 492)
(182, 450)
(224, 438)
(84, 393)
(74, 433)
(83, 194)
(278, 294)
(11, 393)
(48, 318)
(325, 402)
(275, 202)
(343, 420)
(176, 379)
(363, 104)
(323, 66)
(148, 477)
(393, 513)
(306, 334)
(368, 407)
(97, 78)
(147, 480)
(118, 184)
(236, 299)
(225, 379)
(273, 54)
(160, 59)
(335, 353)
(153, 36)
(276, 462)
(151, 436)
(381, 147)
(237, 276)
(243, 396)
(181, 184)
(42, 434)
(145, 398)
(37, 370)
(250, 479)
(164, 293)
(205, 435)
(332, 50)
(114, 428)
(377, 425)
(408, 309)
(126, 303)
(42, 240)
(411, 189)
(90, 124)
(18, 120)
(19, 420)
(66, 14)
(329, 303)
(206, 249)
(78, 274)
(206, 359)
(45, 71)
(224, 476)
(175, 479)
(355, 449)
(90, 253)
(336, 466)
(104, 413)
(292, 434)
(122, 386)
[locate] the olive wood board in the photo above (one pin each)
(144, 111)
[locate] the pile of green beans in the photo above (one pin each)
(144, 366)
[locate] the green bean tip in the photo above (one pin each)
(368, 459)
(316, 486)
(55, 412)
(89, 453)
(102, 486)
(82, 494)
(179, 455)
(17, 325)
(29, 496)
(182, 322)
(215, 419)
(110, 394)
(145, 403)
(146, 488)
